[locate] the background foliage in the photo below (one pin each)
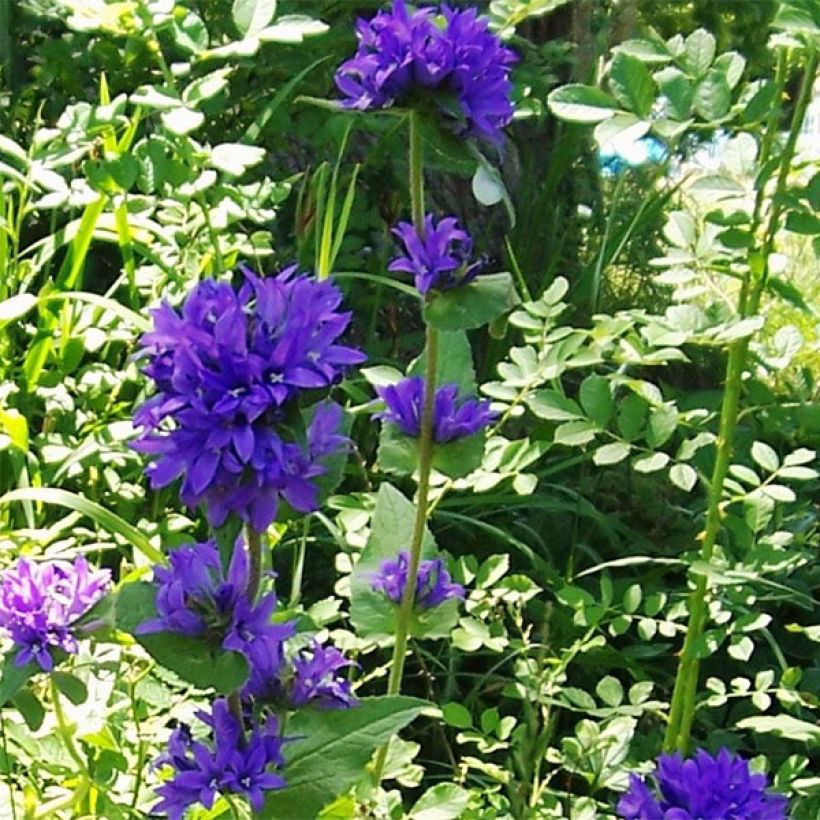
(148, 143)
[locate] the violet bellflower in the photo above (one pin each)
(440, 260)
(454, 416)
(196, 597)
(312, 677)
(701, 788)
(443, 57)
(226, 366)
(41, 602)
(236, 760)
(433, 583)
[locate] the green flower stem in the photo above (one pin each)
(254, 540)
(405, 613)
(682, 708)
(66, 735)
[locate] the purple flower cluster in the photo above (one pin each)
(433, 583)
(702, 788)
(449, 57)
(235, 761)
(226, 365)
(439, 260)
(314, 676)
(454, 417)
(196, 597)
(39, 603)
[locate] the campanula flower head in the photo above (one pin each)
(227, 365)
(439, 260)
(427, 57)
(196, 597)
(314, 676)
(40, 604)
(702, 788)
(433, 584)
(236, 759)
(454, 416)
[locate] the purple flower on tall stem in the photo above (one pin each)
(40, 603)
(196, 597)
(702, 788)
(433, 583)
(226, 366)
(238, 760)
(440, 260)
(448, 58)
(454, 416)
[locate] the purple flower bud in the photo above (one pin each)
(196, 597)
(237, 759)
(225, 366)
(449, 57)
(433, 583)
(39, 603)
(318, 678)
(441, 259)
(702, 787)
(454, 416)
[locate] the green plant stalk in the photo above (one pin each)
(684, 695)
(405, 614)
(67, 737)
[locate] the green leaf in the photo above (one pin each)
(234, 159)
(480, 302)
(454, 363)
(581, 103)
(596, 399)
(783, 725)
(105, 518)
(16, 306)
(13, 677)
(712, 96)
(610, 691)
(188, 656)
(631, 84)
(678, 90)
(553, 406)
(765, 456)
(683, 476)
(446, 801)
(699, 52)
(455, 714)
(182, 120)
(651, 463)
(399, 454)
(292, 28)
(663, 421)
(250, 16)
(611, 453)
(575, 433)
(331, 750)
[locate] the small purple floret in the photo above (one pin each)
(454, 416)
(195, 597)
(39, 603)
(445, 57)
(441, 259)
(225, 366)
(433, 584)
(702, 788)
(241, 760)
(318, 678)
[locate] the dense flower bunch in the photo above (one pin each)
(238, 760)
(454, 416)
(40, 603)
(433, 583)
(702, 788)
(225, 366)
(450, 57)
(195, 597)
(439, 260)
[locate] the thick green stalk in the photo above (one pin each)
(66, 735)
(682, 708)
(405, 613)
